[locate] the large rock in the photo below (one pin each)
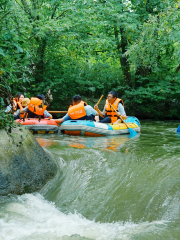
(24, 165)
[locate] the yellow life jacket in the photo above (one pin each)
(36, 106)
(77, 111)
(109, 111)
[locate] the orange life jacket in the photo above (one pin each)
(109, 111)
(21, 108)
(77, 111)
(85, 104)
(14, 105)
(36, 106)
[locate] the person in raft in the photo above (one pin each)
(17, 103)
(24, 104)
(108, 114)
(35, 108)
(80, 110)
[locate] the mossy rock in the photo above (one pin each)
(24, 165)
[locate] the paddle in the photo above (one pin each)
(98, 104)
(99, 100)
(67, 111)
(131, 131)
(57, 111)
(178, 129)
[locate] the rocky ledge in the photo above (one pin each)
(25, 166)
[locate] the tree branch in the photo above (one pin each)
(25, 7)
(54, 11)
(4, 15)
(61, 14)
(177, 69)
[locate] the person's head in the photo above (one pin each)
(112, 95)
(76, 99)
(19, 97)
(25, 102)
(40, 96)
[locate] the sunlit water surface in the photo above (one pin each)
(107, 188)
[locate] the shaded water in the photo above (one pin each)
(107, 188)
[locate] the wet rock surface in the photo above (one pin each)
(24, 165)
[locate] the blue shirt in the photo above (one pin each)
(8, 108)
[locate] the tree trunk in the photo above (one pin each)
(124, 61)
(121, 47)
(39, 65)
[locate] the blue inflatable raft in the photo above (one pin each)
(90, 128)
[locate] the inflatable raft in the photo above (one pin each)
(95, 129)
(40, 126)
(178, 129)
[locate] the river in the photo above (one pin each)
(107, 188)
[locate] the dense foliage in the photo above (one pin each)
(7, 121)
(90, 47)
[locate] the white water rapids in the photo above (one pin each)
(106, 189)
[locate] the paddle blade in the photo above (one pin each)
(178, 129)
(132, 132)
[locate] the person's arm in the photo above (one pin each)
(90, 111)
(19, 111)
(47, 115)
(8, 109)
(61, 120)
(100, 113)
(24, 109)
(121, 112)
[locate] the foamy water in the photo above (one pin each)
(33, 217)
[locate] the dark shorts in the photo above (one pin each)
(90, 118)
(105, 119)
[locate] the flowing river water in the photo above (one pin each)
(107, 188)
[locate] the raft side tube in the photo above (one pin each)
(42, 126)
(83, 128)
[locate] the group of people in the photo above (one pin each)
(80, 110)
(24, 107)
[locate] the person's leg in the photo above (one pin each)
(82, 118)
(105, 120)
(100, 118)
(97, 118)
(16, 117)
(89, 118)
